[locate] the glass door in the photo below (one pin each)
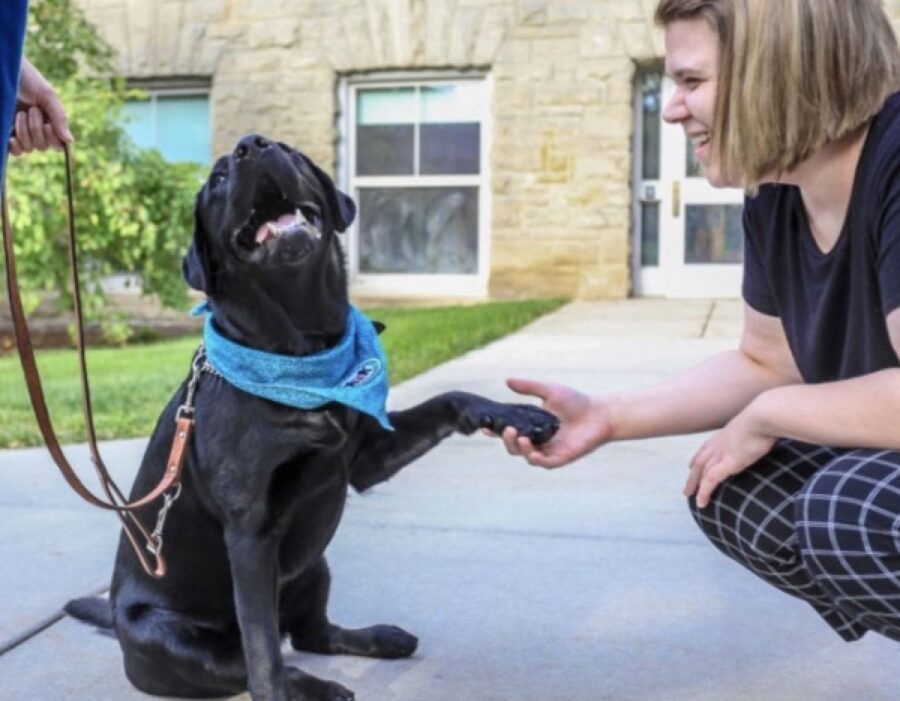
(688, 235)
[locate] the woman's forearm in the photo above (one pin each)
(863, 412)
(703, 398)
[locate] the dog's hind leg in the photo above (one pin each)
(167, 654)
(304, 604)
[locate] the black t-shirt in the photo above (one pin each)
(832, 305)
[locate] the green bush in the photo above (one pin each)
(133, 209)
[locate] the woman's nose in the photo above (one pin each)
(675, 110)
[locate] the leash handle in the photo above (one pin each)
(116, 500)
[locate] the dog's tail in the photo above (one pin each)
(91, 609)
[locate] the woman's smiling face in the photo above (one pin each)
(692, 61)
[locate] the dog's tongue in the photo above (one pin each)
(264, 233)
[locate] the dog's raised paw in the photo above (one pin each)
(531, 422)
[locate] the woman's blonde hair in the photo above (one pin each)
(793, 76)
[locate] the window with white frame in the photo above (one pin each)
(173, 119)
(416, 165)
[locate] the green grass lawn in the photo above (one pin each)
(131, 385)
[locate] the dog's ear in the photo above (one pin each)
(341, 204)
(347, 208)
(195, 266)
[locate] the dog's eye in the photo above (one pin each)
(312, 213)
(217, 179)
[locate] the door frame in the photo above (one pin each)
(673, 191)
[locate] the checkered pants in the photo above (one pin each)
(822, 524)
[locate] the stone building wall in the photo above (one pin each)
(562, 103)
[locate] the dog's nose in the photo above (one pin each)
(251, 146)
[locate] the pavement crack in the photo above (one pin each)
(36, 629)
(709, 315)
(12, 643)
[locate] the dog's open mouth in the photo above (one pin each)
(286, 225)
(278, 224)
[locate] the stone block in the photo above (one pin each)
(530, 283)
(608, 121)
(513, 97)
(512, 53)
(512, 157)
(574, 95)
(532, 13)
(490, 37)
(607, 282)
(600, 41)
(638, 39)
(571, 11)
(463, 35)
(556, 49)
(273, 33)
(557, 157)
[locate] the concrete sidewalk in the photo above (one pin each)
(589, 582)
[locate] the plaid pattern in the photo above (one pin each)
(822, 524)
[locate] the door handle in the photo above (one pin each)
(676, 198)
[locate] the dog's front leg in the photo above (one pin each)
(380, 454)
(254, 571)
(254, 565)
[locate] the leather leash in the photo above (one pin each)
(169, 486)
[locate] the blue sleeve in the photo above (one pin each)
(755, 287)
(13, 14)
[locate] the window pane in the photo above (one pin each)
(386, 106)
(650, 108)
(450, 149)
(385, 124)
(139, 122)
(450, 134)
(453, 103)
(649, 233)
(183, 128)
(177, 125)
(418, 230)
(384, 150)
(713, 234)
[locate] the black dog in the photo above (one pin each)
(264, 483)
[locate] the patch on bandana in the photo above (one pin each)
(364, 373)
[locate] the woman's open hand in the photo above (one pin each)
(584, 424)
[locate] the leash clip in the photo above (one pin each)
(154, 545)
(198, 365)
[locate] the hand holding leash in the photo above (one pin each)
(41, 122)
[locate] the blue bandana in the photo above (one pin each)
(353, 372)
